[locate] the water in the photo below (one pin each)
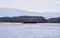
(39, 30)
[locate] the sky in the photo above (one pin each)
(32, 5)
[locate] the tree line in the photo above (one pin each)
(30, 19)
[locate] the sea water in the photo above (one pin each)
(39, 30)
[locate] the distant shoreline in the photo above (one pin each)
(8, 22)
(21, 23)
(29, 19)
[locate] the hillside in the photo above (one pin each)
(16, 12)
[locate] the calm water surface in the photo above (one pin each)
(39, 30)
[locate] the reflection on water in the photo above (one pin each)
(44, 30)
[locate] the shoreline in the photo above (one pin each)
(26, 23)
(9, 22)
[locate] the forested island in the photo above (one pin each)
(29, 19)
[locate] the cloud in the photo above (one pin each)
(57, 2)
(34, 5)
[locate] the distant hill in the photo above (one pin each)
(16, 12)
(24, 19)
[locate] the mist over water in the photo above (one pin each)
(39, 30)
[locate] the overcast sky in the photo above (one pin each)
(32, 5)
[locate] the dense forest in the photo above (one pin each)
(30, 19)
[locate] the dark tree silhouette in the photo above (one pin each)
(31, 19)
